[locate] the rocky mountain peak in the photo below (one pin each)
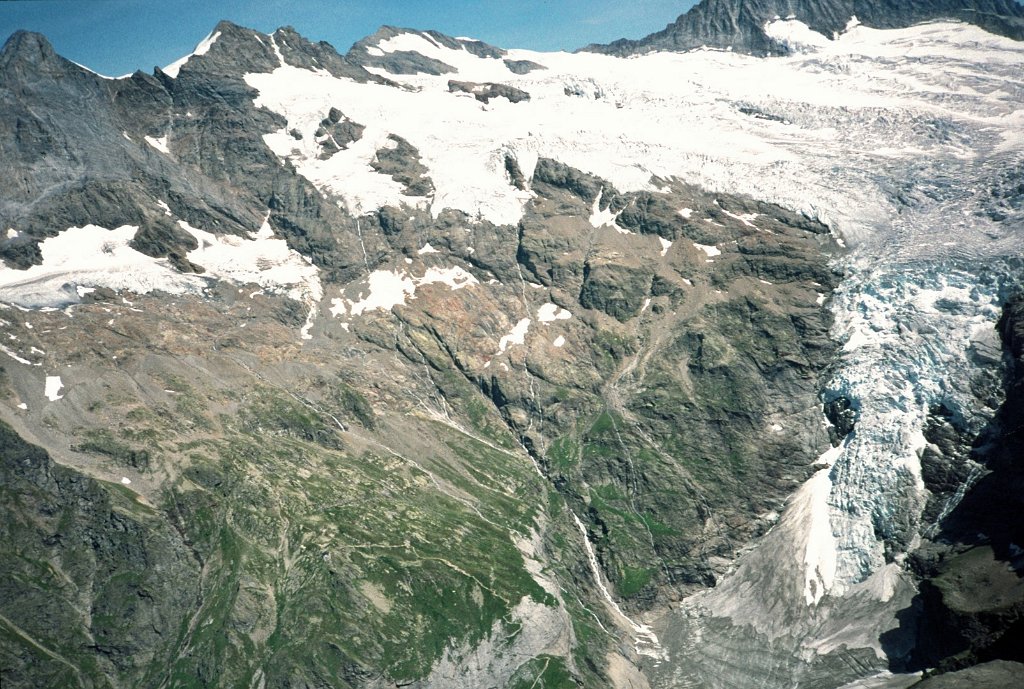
(740, 24)
(406, 48)
(228, 49)
(26, 45)
(29, 54)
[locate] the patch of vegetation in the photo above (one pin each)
(564, 453)
(102, 442)
(632, 580)
(549, 672)
(274, 414)
(353, 404)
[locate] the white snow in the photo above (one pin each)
(159, 144)
(461, 59)
(427, 249)
(796, 36)
(710, 250)
(126, 481)
(840, 106)
(390, 288)
(80, 259)
(686, 213)
(604, 218)
(549, 312)
(387, 290)
(14, 355)
(745, 218)
(22, 406)
(53, 387)
(163, 205)
(90, 256)
(820, 554)
(259, 259)
(12, 233)
(455, 277)
(559, 341)
(909, 334)
(665, 245)
(516, 336)
(204, 46)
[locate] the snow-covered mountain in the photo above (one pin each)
(739, 26)
(442, 364)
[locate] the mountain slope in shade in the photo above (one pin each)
(739, 25)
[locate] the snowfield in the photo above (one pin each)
(852, 131)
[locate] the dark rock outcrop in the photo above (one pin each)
(971, 604)
(92, 580)
(402, 162)
(522, 66)
(336, 132)
(488, 91)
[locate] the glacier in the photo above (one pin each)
(892, 138)
(888, 136)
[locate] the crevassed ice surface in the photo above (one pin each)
(916, 337)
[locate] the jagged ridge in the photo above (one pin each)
(739, 24)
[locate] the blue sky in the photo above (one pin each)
(116, 37)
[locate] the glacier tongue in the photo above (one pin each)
(909, 336)
(816, 595)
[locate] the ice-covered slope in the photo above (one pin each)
(854, 131)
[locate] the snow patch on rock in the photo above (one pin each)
(391, 288)
(549, 313)
(516, 336)
(710, 250)
(53, 387)
(91, 256)
(159, 144)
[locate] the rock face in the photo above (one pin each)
(735, 25)
(971, 603)
(485, 92)
(399, 60)
(487, 372)
(86, 565)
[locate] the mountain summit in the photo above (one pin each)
(740, 24)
